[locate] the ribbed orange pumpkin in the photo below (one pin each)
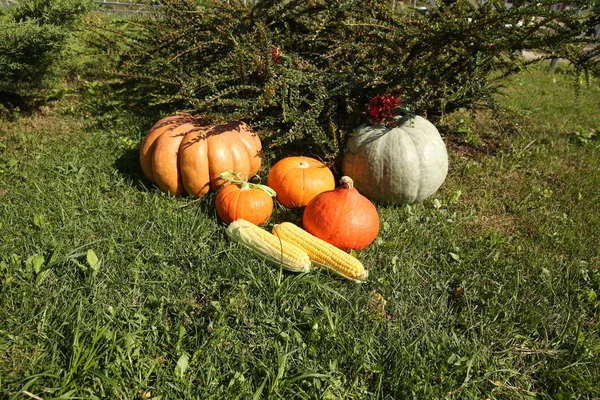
(243, 201)
(343, 217)
(181, 155)
(298, 179)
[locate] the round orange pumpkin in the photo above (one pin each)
(298, 179)
(182, 155)
(242, 200)
(343, 217)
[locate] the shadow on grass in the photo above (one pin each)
(128, 165)
(14, 105)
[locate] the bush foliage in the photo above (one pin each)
(32, 38)
(303, 71)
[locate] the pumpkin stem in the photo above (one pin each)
(244, 185)
(234, 177)
(347, 182)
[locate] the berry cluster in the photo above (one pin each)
(380, 107)
(275, 55)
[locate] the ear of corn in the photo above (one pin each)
(322, 253)
(269, 247)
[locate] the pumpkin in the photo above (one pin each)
(182, 155)
(402, 164)
(342, 217)
(296, 180)
(248, 201)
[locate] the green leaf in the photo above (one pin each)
(39, 220)
(182, 365)
(455, 197)
(591, 295)
(374, 368)
(93, 261)
(181, 335)
(92, 258)
(37, 262)
(454, 256)
(580, 336)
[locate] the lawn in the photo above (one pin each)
(110, 288)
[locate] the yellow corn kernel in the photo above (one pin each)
(321, 252)
(268, 246)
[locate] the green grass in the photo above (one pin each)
(486, 290)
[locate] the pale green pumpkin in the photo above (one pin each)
(402, 164)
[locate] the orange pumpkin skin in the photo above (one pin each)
(298, 179)
(182, 155)
(343, 217)
(239, 201)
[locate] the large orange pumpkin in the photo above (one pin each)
(242, 200)
(343, 217)
(298, 179)
(182, 155)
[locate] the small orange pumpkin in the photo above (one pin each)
(181, 154)
(343, 217)
(242, 199)
(296, 180)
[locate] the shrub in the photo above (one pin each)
(33, 35)
(304, 71)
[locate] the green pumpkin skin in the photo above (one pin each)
(403, 164)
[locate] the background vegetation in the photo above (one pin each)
(303, 71)
(33, 47)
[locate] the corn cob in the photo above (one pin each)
(268, 246)
(321, 252)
